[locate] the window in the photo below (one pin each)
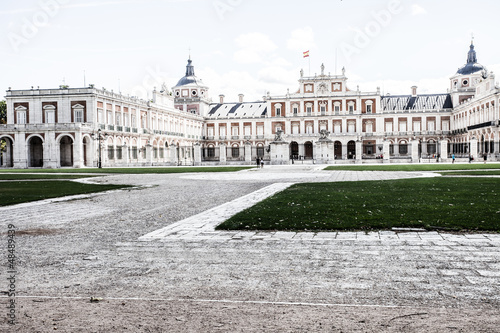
(222, 131)
(402, 126)
(295, 129)
(369, 108)
(323, 110)
(388, 127)
(235, 131)
(369, 127)
(21, 117)
(110, 118)
(351, 127)
(111, 152)
(309, 109)
(134, 153)
(337, 108)
(78, 115)
(431, 126)
(416, 126)
(309, 129)
(100, 116)
(50, 116)
(260, 130)
(351, 108)
(295, 110)
(403, 149)
(210, 131)
(211, 151)
(118, 119)
(337, 128)
(278, 112)
(134, 121)
(248, 130)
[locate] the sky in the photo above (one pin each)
(243, 46)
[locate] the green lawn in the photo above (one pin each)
(26, 191)
(448, 203)
(21, 176)
(472, 173)
(414, 167)
(130, 170)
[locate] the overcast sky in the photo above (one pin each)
(243, 46)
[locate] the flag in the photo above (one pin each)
(306, 54)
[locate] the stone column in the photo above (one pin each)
(20, 148)
(387, 151)
(223, 154)
(197, 154)
(149, 154)
(125, 154)
(359, 151)
(173, 155)
(473, 148)
(248, 152)
(78, 161)
(50, 151)
(444, 151)
(414, 151)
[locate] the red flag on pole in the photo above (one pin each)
(306, 54)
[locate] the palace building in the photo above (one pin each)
(324, 121)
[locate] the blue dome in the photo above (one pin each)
(472, 66)
(189, 78)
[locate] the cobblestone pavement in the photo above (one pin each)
(145, 244)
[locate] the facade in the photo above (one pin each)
(324, 121)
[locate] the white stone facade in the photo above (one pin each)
(322, 122)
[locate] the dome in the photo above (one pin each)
(472, 66)
(189, 78)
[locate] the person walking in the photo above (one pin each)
(258, 162)
(262, 163)
(453, 158)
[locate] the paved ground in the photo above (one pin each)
(153, 258)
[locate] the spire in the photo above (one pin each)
(190, 68)
(472, 57)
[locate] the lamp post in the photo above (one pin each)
(99, 163)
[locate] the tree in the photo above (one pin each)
(3, 112)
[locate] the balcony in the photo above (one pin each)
(111, 127)
(247, 137)
(235, 137)
(119, 128)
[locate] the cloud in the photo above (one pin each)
(417, 10)
(301, 39)
(254, 48)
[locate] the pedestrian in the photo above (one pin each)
(485, 157)
(470, 158)
(453, 158)
(261, 163)
(258, 162)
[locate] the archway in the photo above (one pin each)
(7, 154)
(308, 147)
(338, 149)
(294, 150)
(35, 151)
(66, 151)
(351, 150)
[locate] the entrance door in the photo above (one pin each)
(308, 147)
(351, 150)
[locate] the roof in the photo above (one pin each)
(420, 102)
(246, 110)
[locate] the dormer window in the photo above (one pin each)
(194, 93)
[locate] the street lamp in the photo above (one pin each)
(99, 163)
(98, 138)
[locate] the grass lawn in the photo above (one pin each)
(26, 191)
(451, 203)
(130, 170)
(414, 167)
(21, 176)
(472, 173)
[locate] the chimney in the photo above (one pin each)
(221, 99)
(414, 91)
(241, 97)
